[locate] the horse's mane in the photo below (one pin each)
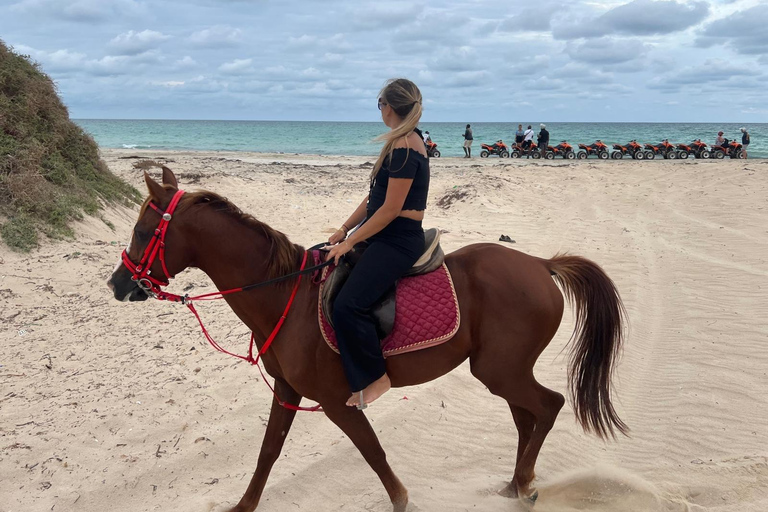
(283, 253)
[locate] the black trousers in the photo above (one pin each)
(390, 253)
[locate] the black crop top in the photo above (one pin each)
(405, 163)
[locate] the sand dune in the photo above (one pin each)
(124, 407)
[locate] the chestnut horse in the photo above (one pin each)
(510, 310)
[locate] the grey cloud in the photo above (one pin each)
(81, 10)
(217, 36)
(711, 71)
(383, 15)
(336, 43)
(133, 43)
(237, 67)
(545, 84)
(607, 50)
(743, 31)
(639, 17)
(527, 66)
(468, 79)
(529, 19)
(463, 58)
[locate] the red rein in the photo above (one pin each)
(153, 287)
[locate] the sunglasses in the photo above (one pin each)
(381, 104)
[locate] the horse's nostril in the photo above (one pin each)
(111, 285)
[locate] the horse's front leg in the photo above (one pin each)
(354, 423)
(280, 420)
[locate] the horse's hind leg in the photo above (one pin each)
(280, 420)
(534, 409)
(525, 422)
(544, 405)
(355, 425)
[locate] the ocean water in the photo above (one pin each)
(337, 138)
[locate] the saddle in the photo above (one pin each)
(384, 311)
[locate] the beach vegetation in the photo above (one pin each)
(50, 170)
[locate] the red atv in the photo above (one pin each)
(597, 148)
(519, 150)
(667, 150)
(432, 149)
(732, 149)
(684, 151)
(699, 149)
(563, 149)
(632, 149)
(651, 151)
(499, 148)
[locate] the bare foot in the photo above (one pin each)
(374, 390)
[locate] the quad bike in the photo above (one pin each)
(598, 148)
(652, 151)
(632, 149)
(498, 148)
(732, 149)
(432, 150)
(563, 149)
(520, 150)
(684, 151)
(667, 150)
(699, 149)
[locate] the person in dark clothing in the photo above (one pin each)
(468, 142)
(389, 220)
(543, 139)
(744, 142)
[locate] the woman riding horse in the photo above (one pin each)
(391, 216)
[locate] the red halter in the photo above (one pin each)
(155, 248)
(153, 288)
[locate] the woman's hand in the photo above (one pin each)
(338, 250)
(337, 237)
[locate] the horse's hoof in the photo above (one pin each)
(510, 491)
(531, 500)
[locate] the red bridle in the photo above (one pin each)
(153, 288)
(155, 247)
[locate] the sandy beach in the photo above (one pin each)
(106, 406)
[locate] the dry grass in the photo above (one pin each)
(50, 171)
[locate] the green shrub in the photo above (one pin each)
(50, 170)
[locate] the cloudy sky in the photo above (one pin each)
(485, 60)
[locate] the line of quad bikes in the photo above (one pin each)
(599, 149)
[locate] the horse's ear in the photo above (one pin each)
(169, 178)
(156, 190)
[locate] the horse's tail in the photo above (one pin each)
(599, 333)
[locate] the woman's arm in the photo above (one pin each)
(397, 190)
(356, 218)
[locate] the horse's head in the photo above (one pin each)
(167, 255)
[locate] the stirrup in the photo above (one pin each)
(362, 405)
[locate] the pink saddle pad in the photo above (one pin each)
(426, 313)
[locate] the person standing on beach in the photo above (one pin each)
(528, 137)
(543, 139)
(468, 142)
(744, 142)
(389, 221)
(519, 134)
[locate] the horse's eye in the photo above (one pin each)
(140, 234)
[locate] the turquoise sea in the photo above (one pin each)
(346, 138)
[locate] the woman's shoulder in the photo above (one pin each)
(411, 142)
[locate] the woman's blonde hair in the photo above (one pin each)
(405, 99)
